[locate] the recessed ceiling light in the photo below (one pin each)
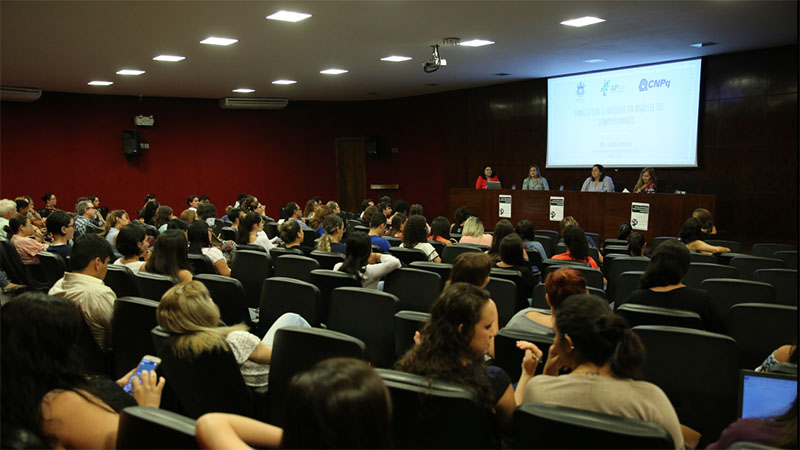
(218, 41)
(592, 61)
(583, 21)
(169, 58)
(130, 72)
(244, 90)
(703, 44)
(100, 83)
(284, 82)
(333, 71)
(476, 43)
(395, 58)
(288, 16)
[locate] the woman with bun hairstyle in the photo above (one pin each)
(251, 231)
(604, 358)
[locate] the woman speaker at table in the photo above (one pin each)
(485, 177)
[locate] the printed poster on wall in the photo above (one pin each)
(556, 209)
(505, 206)
(640, 213)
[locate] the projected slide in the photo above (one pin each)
(638, 117)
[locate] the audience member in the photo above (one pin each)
(402, 207)
(84, 214)
(84, 286)
(503, 228)
(61, 227)
(132, 244)
(366, 203)
(569, 220)
(472, 233)
(415, 235)
(207, 212)
(598, 181)
(331, 240)
(319, 216)
(45, 389)
(200, 244)
(21, 231)
(338, 403)
(50, 202)
(535, 181)
(334, 207)
(624, 230)
(775, 432)
(782, 354)
(558, 285)
(234, 216)
(366, 266)
(30, 211)
(661, 286)
(98, 220)
(462, 214)
(189, 215)
(577, 247)
(187, 311)
(162, 218)
(636, 244)
(116, 219)
(311, 207)
(440, 230)
(251, 231)
(398, 225)
(512, 256)
(8, 209)
(647, 182)
(377, 228)
(148, 213)
(605, 360)
(533, 248)
(192, 202)
(692, 236)
(170, 257)
(470, 267)
(416, 210)
(294, 213)
(453, 344)
(706, 222)
(291, 233)
(366, 216)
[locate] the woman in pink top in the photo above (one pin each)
(473, 233)
(20, 229)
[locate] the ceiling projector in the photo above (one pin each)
(433, 64)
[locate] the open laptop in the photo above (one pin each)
(765, 394)
(492, 185)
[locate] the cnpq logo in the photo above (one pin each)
(652, 84)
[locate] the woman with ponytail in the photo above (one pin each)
(251, 231)
(604, 359)
(333, 226)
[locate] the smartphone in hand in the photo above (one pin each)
(149, 363)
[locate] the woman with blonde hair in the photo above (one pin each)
(331, 240)
(647, 182)
(473, 233)
(187, 311)
(188, 216)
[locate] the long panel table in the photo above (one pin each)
(597, 212)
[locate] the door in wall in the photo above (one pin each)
(351, 173)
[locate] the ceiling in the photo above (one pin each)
(61, 46)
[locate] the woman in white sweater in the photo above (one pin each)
(367, 266)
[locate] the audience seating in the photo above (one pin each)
(615, 249)
(121, 280)
(131, 322)
(436, 414)
(310, 237)
(93, 359)
(417, 289)
(328, 280)
(733, 245)
(438, 246)
(504, 294)
(201, 264)
(251, 268)
(542, 425)
(18, 272)
(141, 427)
(52, 267)
(547, 243)
(759, 329)
(698, 371)
(366, 314)
(407, 255)
(538, 300)
(697, 257)
(149, 230)
(295, 266)
(271, 229)
(749, 264)
(783, 280)
(616, 266)
(593, 236)
(725, 258)
(597, 292)
(559, 248)
(362, 228)
(153, 285)
(280, 295)
(508, 357)
(766, 250)
(594, 254)
(297, 349)
(636, 315)
(277, 252)
(209, 382)
(406, 324)
(251, 247)
(699, 271)
(615, 242)
(593, 277)
(228, 234)
(228, 293)
(626, 283)
(553, 235)
(451, 252)
(658, 240)
(443, 269)
(788, 257)
(728, 292)
(394, 241)
(327, 260)
(561, 262)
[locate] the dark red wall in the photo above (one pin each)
(71, 144)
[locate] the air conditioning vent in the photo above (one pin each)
(253, 103)
(19, 94)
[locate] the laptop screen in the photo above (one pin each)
(763, 395)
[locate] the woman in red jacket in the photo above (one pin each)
(487, 176)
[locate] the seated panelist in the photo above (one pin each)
(598, 182)
(535, 181)
(484, 178)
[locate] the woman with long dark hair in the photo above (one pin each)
(692, 235)
(415, 235)
(577, 247)
(366, 266)
(45, 389)
(132, 244)
(502, 229)
(647, 182)
(21, 233)
(598, 181)
(440, 230)
(251, 231)
(199, 234)
(170, 257)
(604, 359)
(163, 216)
(485, 177)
